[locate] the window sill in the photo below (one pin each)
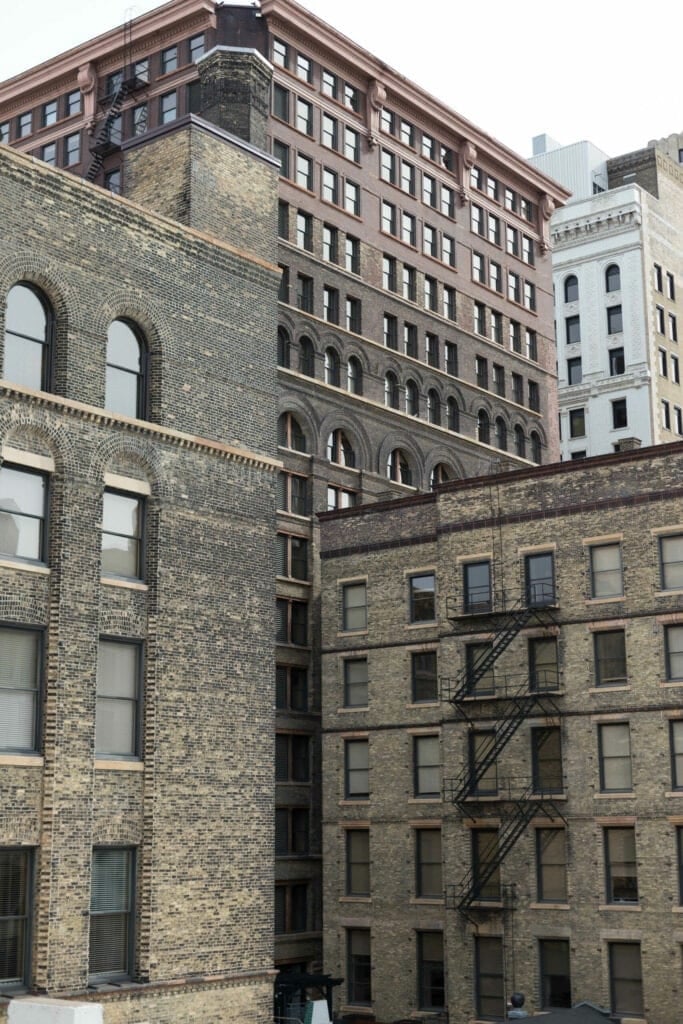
(425, 800)
(113, 581)
(427, 901)
(417, 705)
(10, 563)
(106, 764)
(23, 760)
(347, 711)
(549, 906)
(668, 593)
(421, 625)
(670, 684)
(619, 688)
(628, 907)
(614, 796)
(675, 793)
(357, 1008)
(605, 600)
(355, 899)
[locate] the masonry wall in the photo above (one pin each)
(196, 806)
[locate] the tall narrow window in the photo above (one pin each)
(539, 573)
(356, 770)
(485, 864)
(15, 920)
(355, 682)
(23, 510)
(556, 989)
(543, 668)
(118, 691)
(428, 871)
(671, 562)
(606, 571)
(354, 607)
(551, 865)
(122, 524)
(125, 376)
(431, 991)
(19, 688)
(425, 687)
(626, 978)
(546, 758)
(422, 598)
(621, 873)
(426, 766)
(28, 337)
(477, 583)
(615, 758)
(358, 967)
(610, 657)
(358, 862)
(111, 913)
(490, 980)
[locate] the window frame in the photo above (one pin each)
(357, 863)
(597, 593)
(421, 606)
(135, 753)
(41, 554)
(424, 680)
(615, 883)
(128, 943)
(357, 776)
(427, 863)
(428, 970)
(25, 898)
(425, 772)
(608, 760)
(351, 685)
(46, 342)
(548, 891)
(139, 538)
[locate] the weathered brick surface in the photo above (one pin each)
(200, 809)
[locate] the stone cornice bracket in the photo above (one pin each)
(546, 208)
(87, 83)
(377, 97)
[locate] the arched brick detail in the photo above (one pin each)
(22, 609)
(141, 456)
(302, 409)
(445, 455)
(31, 429)
(340, 420)
(415, 456)
(144, 313)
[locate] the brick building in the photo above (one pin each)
(502, 733)
(137, 483)
(415, 339)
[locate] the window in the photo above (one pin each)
(291, 688)
(357, 862)
(673, 643)
(304, 116)
(391, 390)
(447, 201)
(290, 434)
(429, 240)
(355, 682)
(354, 376)
(412, 398)
(358, 967)
(330, 244)
(292, 556)
(514, 287)
(351, 97)
(478, 267)
(543, 667)
(606, 572)
(626, 979)
(168, 107)
(388, 218)
(332, 365)
(425, 685)
(495, 276)
(112, 896)
(410, 340)
(448, 250)
(329, 84)
(398, 468)
(281, 153)
(15, 919)
(657, 272)
(304, 68)
(304, 171)
(428, 190)
(612, 278)
(197, 47)
(673, 329)
(666, 415)
(408, 229)
(125, 377)
(515, 336)
(422, 598)
(291, 831)
(610, 657)
(354, 607)
(291, 622)
(489, 979)
(451, 358)
(73, 103)
(281, 102)
(20, 672)
(556, 989)
(4, 132)
(531, 344)
(551, 865)
(477, 587)
(493, 229)
(48, 154)
(409, 283)
(426, 767)
(528, 250)
(72, 149)
(390, 331)
(356, 770)
(479, 669)
(616, 362)
(481, 371)
(573, 329)
(430, 293)
(331, 314)
(520, 440)
(431, 991)
(621, 875)
(574, 371)
(614, 742)
(112, 182)
(428, 146)
(534, 396)
(304, 231)
(546, 759)
(482, 763)
(25, 125)
(353, 314)
(387, 166)
(389, 278)
(352, 254)
(118, 693)
(577, 423)
(485, 869)
(483, 427)
(671, 562)
(23, 508)
(659, 318)
(428, 872)
(291, 908)
(292, 757)
(539, 575)
(676, 746)
(122, 531)
(28, 337)
(340, 450)
(169, 59)
(675, 370)
(407, 177)
(670, 286)
(571, 289)
(351, 144)
(614, 320)
(352, 198)
(432, 349)
(536, 446)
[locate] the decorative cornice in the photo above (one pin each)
(101, 417)
(607, 222)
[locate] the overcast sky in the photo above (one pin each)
(587, 70)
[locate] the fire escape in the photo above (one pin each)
(130, 80)
(507, 701)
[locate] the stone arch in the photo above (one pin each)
(30, 430)
(398, 439)
(129, 456)
(443, 455)
(302, 409)
(341, 420)
(145, 315)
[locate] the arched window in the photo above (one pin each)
(520, 442)
(290, 434)
(439, 475)
(398, 467)
(283, 348)
(434, 407)
(332, 367)
(306, 357)
(412, 398)
(571, 288)
(501, 434)
(536, 447)
(483, 427)
(125, 378)
(339, 449)
(28, 336)
(612, 278)
(354, 376)
(452, 414)
(391, 390)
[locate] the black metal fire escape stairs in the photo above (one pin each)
(516, 801)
